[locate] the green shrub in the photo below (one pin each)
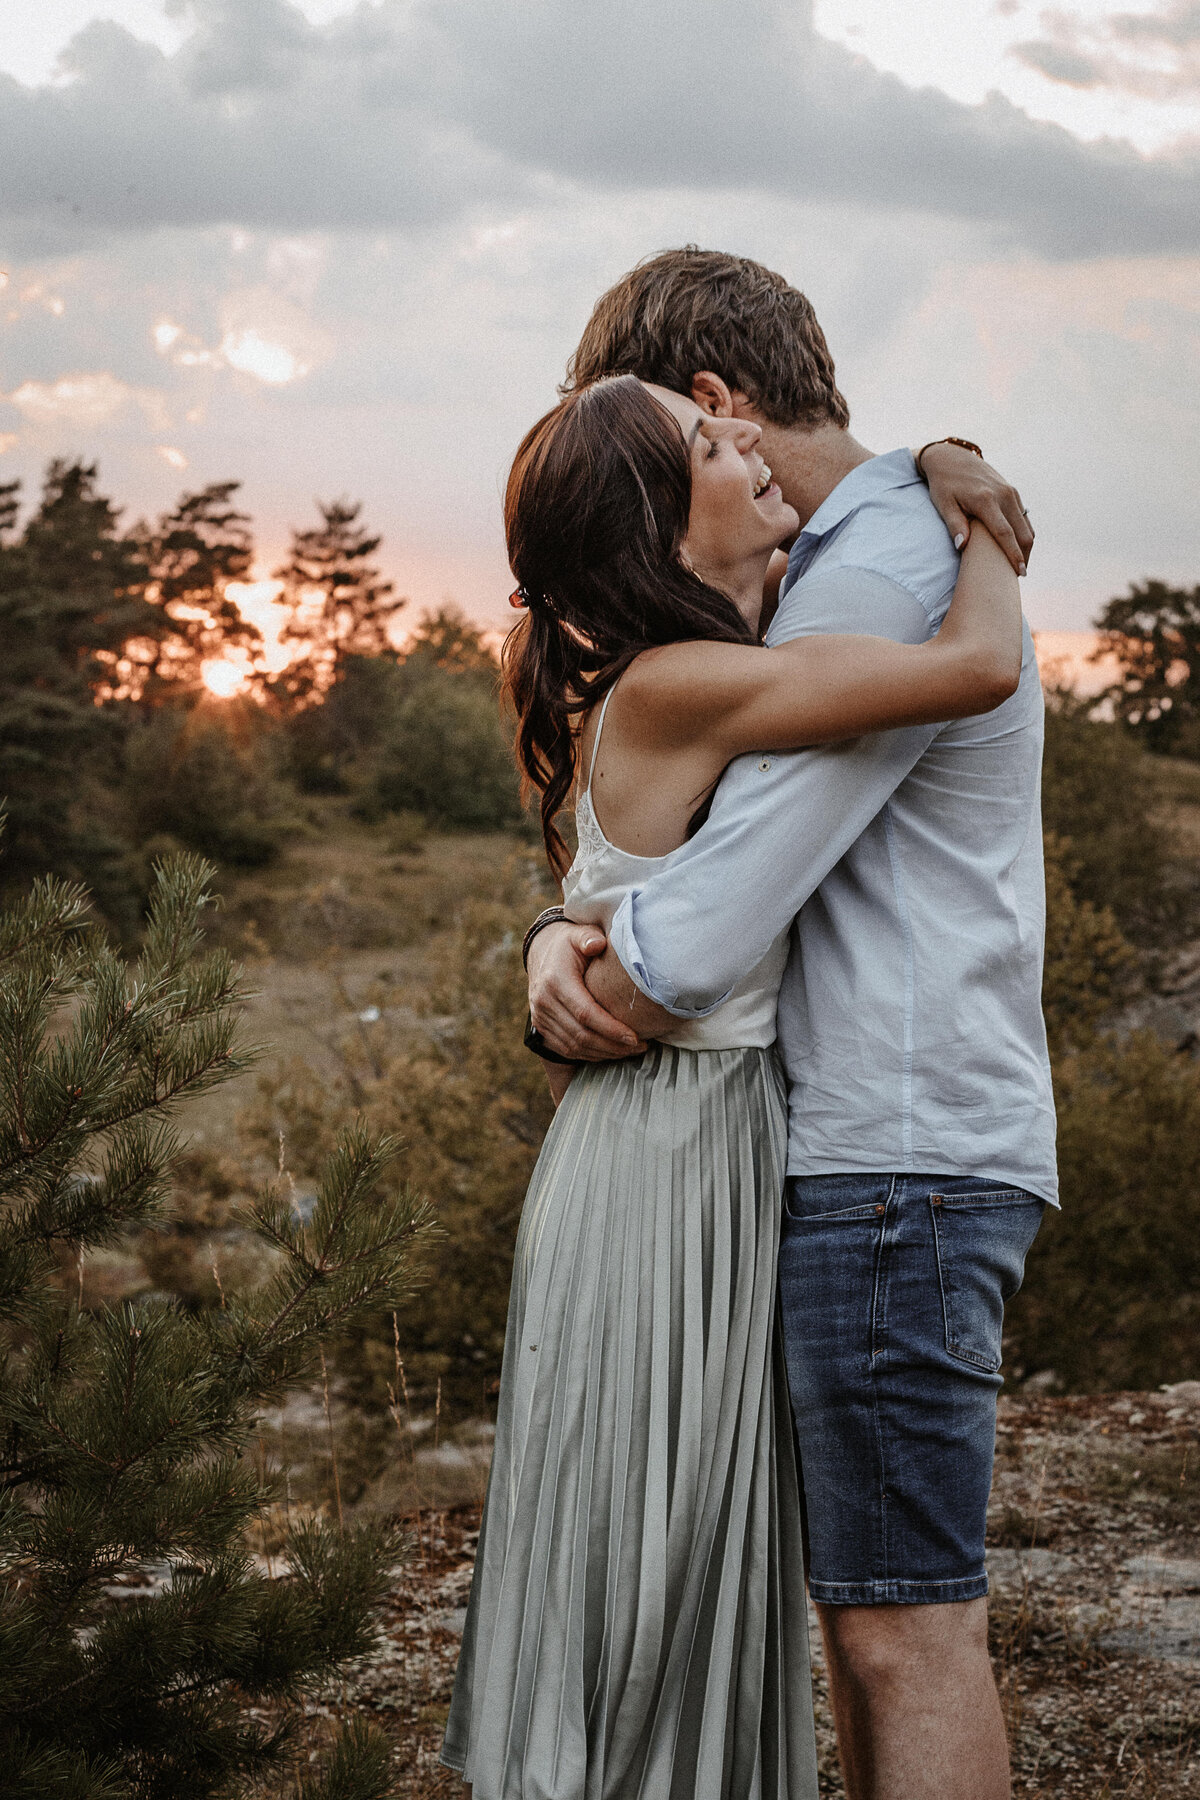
(472, 1108)
(210, 780)
(449, 756)
(1112, 1290)
(1101, 796)
(143, 1651)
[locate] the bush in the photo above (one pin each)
(1089, 967)
(1100, 797)
(472, 1108)
(210, 780)
(449, 756)
(328, 740)
(1112, 1291)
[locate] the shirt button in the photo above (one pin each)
(764, 763)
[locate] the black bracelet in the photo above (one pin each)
(536, 1042)
(551, 916)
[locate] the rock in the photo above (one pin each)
(1020, 1568)
(1186, 1393)
(1157, 1610)
(1163, 1576)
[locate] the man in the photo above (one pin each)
(921, 1121)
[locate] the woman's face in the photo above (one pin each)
(737, 513)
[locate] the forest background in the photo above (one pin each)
(251, 1344)
(377, 868)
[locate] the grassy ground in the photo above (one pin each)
(346, 920)
(1089, 1493)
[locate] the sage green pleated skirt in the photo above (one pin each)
(637, 1626)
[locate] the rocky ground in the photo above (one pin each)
(1095, 1559)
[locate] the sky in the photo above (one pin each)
(345, 249)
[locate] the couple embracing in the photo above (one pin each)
(805, 1132)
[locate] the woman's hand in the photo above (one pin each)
(963, 487)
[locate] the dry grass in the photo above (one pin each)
(1087, 1720)
(346, 921)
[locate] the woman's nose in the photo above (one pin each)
(748, 434)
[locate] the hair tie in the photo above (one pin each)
(519, 598)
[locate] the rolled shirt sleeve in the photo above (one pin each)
(779, 823)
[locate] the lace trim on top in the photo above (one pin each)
(590, 838)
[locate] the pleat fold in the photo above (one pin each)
(637, 1623)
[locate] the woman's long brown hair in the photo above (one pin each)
(595, 513)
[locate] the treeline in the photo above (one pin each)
(112, 753)
(112, 749)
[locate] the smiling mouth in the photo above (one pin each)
(763, 482)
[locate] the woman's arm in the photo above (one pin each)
(733, 698)
(559, 1075)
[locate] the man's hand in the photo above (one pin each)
(561, 1008)
(963, 487)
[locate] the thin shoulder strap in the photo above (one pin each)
(596, 740)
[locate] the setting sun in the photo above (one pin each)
(222, 677)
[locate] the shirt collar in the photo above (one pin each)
(875, 476)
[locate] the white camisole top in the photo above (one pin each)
(597, 882)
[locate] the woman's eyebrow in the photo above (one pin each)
(694, 430)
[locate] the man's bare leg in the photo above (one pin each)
(915, 1702)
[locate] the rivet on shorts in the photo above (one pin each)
(935, 1199)
(881, 1209)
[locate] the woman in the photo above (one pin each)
(637, 1620)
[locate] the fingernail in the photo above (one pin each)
(1021, 569)
(960, 540)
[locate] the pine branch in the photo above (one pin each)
(358, 1769)
(123, 1432)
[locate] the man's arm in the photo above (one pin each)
(779, 823)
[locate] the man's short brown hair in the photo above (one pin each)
(691, 309)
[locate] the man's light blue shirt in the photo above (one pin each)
(910, 861)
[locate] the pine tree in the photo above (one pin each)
(72, 593)
(192, 555)
(122, 1431)
(339, 604)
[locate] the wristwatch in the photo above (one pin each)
(534, 1040)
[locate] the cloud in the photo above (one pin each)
(86, 400)
(1155, 54)
(1059, 62)
(407, 113)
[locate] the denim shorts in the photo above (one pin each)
(892, 1292)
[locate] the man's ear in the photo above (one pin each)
(711, 395)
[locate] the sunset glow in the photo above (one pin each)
(1065, 661)
(223, 677)
(255, 355)
(258, 601)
